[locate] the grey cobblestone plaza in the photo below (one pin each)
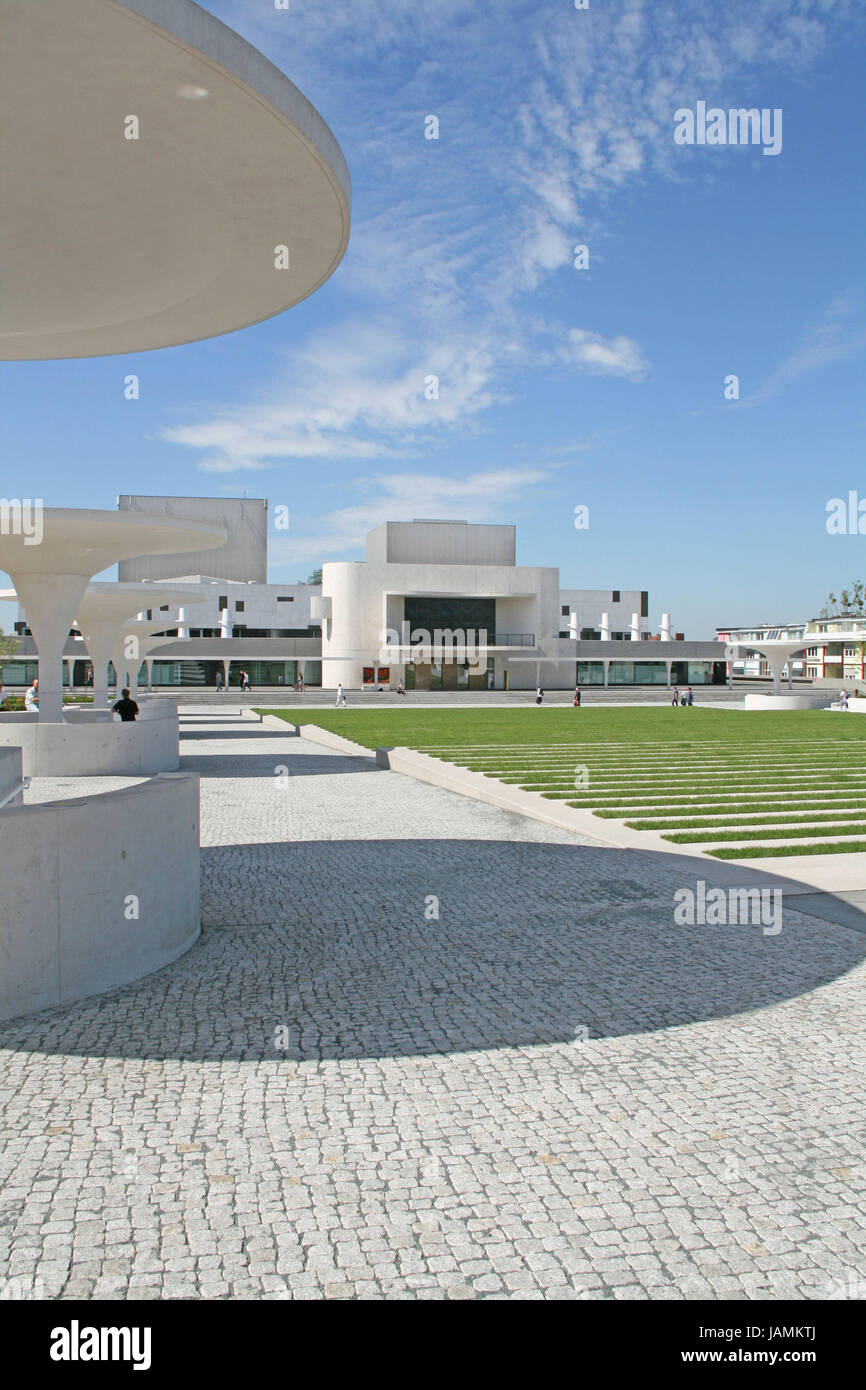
(427, 1049)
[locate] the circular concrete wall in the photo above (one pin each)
(97, 891)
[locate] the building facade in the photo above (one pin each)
(434, 605)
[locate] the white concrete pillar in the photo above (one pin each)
(148, 666)
(665, 627)
(604, 627)
(182, 625)
(669, 664)
(573, 629)
(606, 665)
(50, 602)
(225, 623)
(634, 632)
(100, 638)
(226, 666)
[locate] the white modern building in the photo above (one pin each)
(829, 651)
(436, 605)
(444, 605)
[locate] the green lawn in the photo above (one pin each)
(699, 776)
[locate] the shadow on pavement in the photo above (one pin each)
(394, 948)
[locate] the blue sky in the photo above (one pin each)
(558, 386)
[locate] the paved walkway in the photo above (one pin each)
(428, 1049)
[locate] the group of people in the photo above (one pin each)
(687, 698)
(539, 696)
(245, 682)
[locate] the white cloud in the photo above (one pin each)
(479, 497)
(454, 240)
(839, 334)
(618, 356)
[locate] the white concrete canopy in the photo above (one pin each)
(145, 642)
(51, 577)
(152, 163)
(106, 609)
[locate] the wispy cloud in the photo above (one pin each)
(455, 241)
(479, 497)
(840, 333)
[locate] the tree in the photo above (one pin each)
(8, 646)
(851, 600)
(315, 577)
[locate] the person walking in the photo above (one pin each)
(577, 697)
(691, 698)
(843, 699)
(300, 683)
(31, 697)
(539, 695)
(219, 681)
(341, 696)
(245, 680)
(125, 707)
(676, 699)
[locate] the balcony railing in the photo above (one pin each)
(479, 638)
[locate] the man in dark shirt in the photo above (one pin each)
(126, 708)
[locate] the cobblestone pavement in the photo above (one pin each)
(427, 1049)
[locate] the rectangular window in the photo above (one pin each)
(615, 596)
(163, 608)
(565, 610)
(285, 598)
(223, 602)
(644, 604)
(240, 606)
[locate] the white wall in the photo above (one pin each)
(70, 871)
(525, 599)
(93, 748)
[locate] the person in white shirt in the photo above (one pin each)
(341, 696)
(31, 698)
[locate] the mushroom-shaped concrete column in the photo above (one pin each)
(106, 608)
(134, 646)
(51, 577)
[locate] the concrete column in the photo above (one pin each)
(225, 623)
(606, 665)
(604, 627)
(182, 626)
(67, 663)
(226, 665)
(669, 664)
(665, 627)
(100, 640)
(148, 665)
(634, 632)
(50, 602)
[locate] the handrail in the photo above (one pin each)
(21, 787)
